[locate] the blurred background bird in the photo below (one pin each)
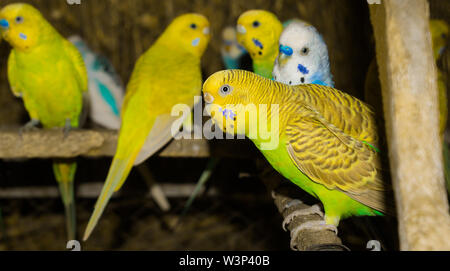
(48, 73)
(259, 32)
(303, 56)
(105, 97)
(345, 175)
(105, 89)
(231, 51)
(166, 75)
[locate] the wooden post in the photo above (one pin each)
(410, 99)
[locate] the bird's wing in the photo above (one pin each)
(12, 76)
(159, 136)
(78, 63)
(336, 160)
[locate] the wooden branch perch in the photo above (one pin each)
(96, 143)
(410, 96)
(307, 240)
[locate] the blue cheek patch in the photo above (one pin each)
(258, 43)
(303, 69)
(195, 42)
(227, 113)
(23, 36)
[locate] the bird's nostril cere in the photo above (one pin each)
(4, 24)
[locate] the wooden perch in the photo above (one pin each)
(307, 240)
(410, 97)
(96, 143)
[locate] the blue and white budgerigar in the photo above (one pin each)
(303, 57)
(232, 52)
(106, 90)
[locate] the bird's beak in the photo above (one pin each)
(4, 24)
(208, 98)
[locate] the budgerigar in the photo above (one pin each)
(166, 75)
(327, 140)
(303, 57)
(106, 94)
(48, 73)
(106, 91)
(259, 32)
(232, 52)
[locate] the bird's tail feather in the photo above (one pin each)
(65, 174)
(118, 172)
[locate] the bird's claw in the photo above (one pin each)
(67, 128)
(315, 209)
(316, 225)
(29, 126)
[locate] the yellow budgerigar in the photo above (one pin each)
(321, 139)
(166, 75)
(48, 73)
(258, 31)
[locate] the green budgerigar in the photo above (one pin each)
(327, 140)
(48, 73)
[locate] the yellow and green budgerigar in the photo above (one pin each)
(169, 73)
(48, 73)
(258, 31)
(327, 140)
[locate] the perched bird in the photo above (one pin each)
(106, 94)
(231, 51)
(259, 32)
(106, 91)
(303, 57)
(166, 75)
(48, 73)
(327, 140)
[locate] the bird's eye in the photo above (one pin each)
(256, 23)
(304, 51)
(193, 26)
(19, 19)
(225, 90)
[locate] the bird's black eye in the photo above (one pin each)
(225, 90)
(304, 51)
(256, 23)
(19, 19)
(193, 26)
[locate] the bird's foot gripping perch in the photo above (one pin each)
(29, 126)
(315, 225)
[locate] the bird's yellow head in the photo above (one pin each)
(258, 31)
(439, 35)
(191, 31)
(21, 25)
(230, 99)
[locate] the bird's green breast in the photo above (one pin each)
(50, 89)
(336, 203)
